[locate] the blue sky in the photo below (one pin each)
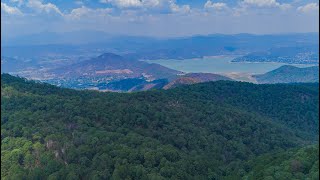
(160, 18)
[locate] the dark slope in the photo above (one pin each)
(193, 78)
(290, 74)
(201, 131)
(187, 79)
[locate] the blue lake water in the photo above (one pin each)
(218, 64)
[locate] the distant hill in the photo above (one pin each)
(193, 78)
(290, 74)
(11, 64)
(308, 54)
(116, 67)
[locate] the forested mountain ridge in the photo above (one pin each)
(289, 74)
(202, 131)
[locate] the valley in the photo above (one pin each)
(148, 63)
(111, 72)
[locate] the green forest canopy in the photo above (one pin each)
(215, 130)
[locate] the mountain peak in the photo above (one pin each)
(288, 67)
(109, 55)
(290, 74)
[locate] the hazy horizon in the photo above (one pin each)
(162, 37)
(88, 37)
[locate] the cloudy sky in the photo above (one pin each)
(161, 18)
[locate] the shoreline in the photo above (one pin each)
(293, 64)
(230, 61)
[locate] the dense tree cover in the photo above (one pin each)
(289, 74)
(302, 163)
(203, 131)
(293, 105)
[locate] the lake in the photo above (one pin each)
(219, 65)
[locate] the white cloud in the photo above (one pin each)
(216, 6)
(285, 6)
(10, 10)
(311, 7)
(163, 17)
(262, 3)
(267, 3)
(79, 12)
(87, 12)
(179, 9)
(41, 7)
(124, 3)
(165, 5)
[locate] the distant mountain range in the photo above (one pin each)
(289, 74)
(95, 43)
